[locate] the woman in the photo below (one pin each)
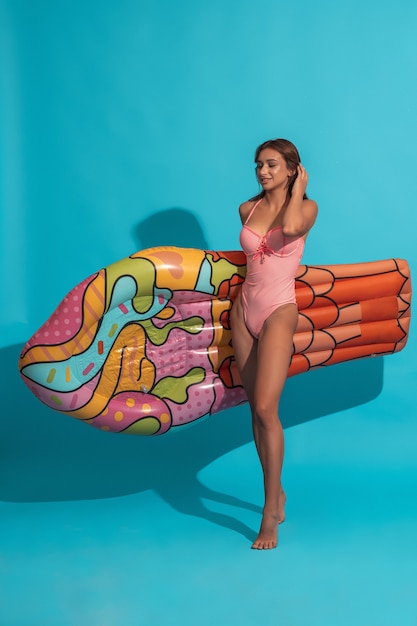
(264, 315)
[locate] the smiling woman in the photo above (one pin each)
(277, 158)
(264, 318)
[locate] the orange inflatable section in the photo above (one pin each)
(350, 311)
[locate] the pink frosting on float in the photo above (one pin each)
(128, 408)
(65, 321)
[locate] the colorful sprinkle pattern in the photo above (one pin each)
(145, 344)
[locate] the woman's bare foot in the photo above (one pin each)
(268, 533)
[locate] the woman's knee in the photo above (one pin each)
(265, 414)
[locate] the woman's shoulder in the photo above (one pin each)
(245, 208)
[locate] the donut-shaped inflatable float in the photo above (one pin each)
(144, 345)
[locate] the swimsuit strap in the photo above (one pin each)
(252, 210)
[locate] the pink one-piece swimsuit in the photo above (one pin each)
(272, 262)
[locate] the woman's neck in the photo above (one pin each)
(277, 198)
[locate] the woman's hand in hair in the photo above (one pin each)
(300, 183)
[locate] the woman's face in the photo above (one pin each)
(271, 170)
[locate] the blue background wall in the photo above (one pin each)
(131, 124)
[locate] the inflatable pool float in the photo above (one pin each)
(144, 345)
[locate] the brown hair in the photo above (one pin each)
(289, 153)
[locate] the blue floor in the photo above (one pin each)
(106, 530)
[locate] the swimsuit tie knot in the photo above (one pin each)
(262, 249)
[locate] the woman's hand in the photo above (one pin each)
(300, 213)
(300, 183)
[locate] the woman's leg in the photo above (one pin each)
(245, 348)
(246, 354)
(275, 346)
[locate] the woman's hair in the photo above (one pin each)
(289, 153)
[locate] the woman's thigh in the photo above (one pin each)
(244, 347)
(275, 347)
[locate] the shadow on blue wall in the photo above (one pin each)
(170, 227)
(46, 456)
